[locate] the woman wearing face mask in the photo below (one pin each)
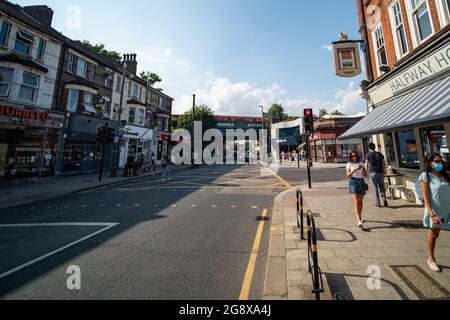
(435, 187)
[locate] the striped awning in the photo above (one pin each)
(425, 105)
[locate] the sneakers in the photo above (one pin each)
(433, 266)
(386, 204)
(361, 225)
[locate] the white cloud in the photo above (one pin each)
(351, 102)
(327, 47)
(168, 52)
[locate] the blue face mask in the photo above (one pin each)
(438, 167)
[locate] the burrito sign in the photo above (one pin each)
(347, 61)
(23, 114)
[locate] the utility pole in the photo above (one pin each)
(120, 111)
(103, 144)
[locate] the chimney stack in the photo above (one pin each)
(131, 61)
(43, 14)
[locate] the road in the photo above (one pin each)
(189, 238)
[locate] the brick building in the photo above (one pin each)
(407, 86)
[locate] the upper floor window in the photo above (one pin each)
(141, 118)
(90, 71)
(29, 87)
(81, 67)
(161, 103)
(6, 75)
(132, 115)
(72, 100)
(24, 42)
(443, 7)
(380, 47)
(421, 20)
(70, 62)
(4, 33)
(135, 91)
(119, 84)
(41, 49)
(108, 80)
(401, 47)
(149, 96)
(87, 102)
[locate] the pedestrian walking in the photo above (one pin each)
(376, 167)
(129, 166)
(356, 172)
(153, 164)
(435, 189)
(141, 164)
(165, 166)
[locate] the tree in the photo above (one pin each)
(100, 49)
(277, 112)
(150, 77)
(337, 113)
(323, 113)
(202, 113)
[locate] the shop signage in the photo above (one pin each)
(436, 63)
(23, 114)
(347, 61)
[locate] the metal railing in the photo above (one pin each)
(300, 215)
(313, 259)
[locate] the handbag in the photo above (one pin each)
(366, 186)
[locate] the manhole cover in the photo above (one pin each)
(410, 225)
(421, 283)
(260, 218)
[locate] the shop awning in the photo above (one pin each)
(428, 104)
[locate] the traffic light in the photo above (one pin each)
(101, 133)
(309, 120)
(110, 135)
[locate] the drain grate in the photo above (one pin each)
(261, 218)
(421, 283)
(410, 225)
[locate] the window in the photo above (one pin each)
(29, 87)
(132, 115)
(6, 75)
(161, 102)
(390, 149)
(407, 146)
(41, 49)
(128, 84)
(70, 62)
(149, 96)
(434, 140)
(90, 71)
(72, 100)
(443, 7)
(421, 20)
(141, 117)
(108, 80)
(119, 84)
(398, 27)
(88, 98)
(135, 91)
(81, 67)
(4, 33)
(24, 42)
(379, 47)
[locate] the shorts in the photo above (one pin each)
(356, 186)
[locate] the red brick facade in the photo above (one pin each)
(385, 15)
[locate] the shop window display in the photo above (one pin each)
(434, 140)
(407, 146)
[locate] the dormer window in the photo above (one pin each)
(24, 42)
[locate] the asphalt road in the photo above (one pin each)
(188, 238)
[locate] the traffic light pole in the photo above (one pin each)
(105, 134)
(309, 161)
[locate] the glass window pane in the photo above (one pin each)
(26, 93)
(4, 33)
(22, 48)
(4, 89)
(424, 23)
(72, 100)
(434, 140)
(81, 67)
(402, 39)
(30, 80)
(408, 149)
(6, 74)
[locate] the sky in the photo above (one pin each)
(235, 55)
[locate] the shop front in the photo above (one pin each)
(29, 141)
(326, 148)
(410, 118)
(162, 141)
(82, 153)
(136, 141)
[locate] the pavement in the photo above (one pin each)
(195, 237)
(356, 264)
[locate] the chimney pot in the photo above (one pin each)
(42, 13)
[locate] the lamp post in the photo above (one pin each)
(120, 111)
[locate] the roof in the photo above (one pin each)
(23, 60)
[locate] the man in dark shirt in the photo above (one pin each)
(376, 166)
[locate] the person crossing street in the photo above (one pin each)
(376, 166)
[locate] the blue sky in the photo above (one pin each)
(234, 54)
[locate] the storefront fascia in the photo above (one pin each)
(410, 119)
(136, 140)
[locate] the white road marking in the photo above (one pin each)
(194, 205)
(83, 206)
(101, 205)
(174, 205)
(156, 205)
(254, 207)
(69, 224)
(233, 207)
(137, 205)
(213, 206)
(118, 205)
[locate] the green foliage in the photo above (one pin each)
(150, 77)
(100, 49)
(277, 113)
(202, 113)
(337, 113)
(323, 113)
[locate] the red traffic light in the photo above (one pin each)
(308, 112)
(101, 130)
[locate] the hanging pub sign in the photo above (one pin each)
(347, 61)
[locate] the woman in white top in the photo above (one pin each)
(356, 172)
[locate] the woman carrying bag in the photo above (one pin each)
(435, 187)
(356, 172)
